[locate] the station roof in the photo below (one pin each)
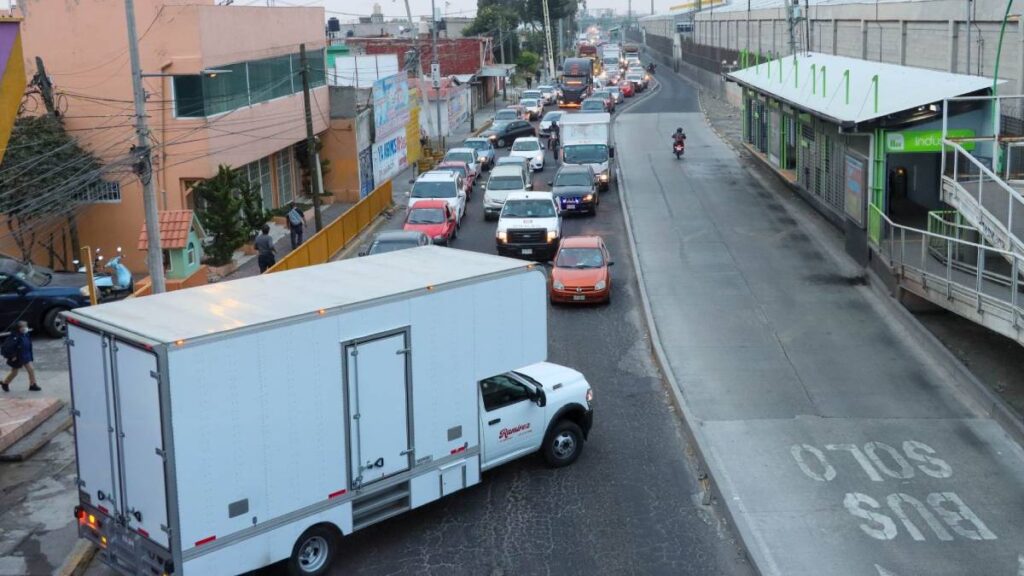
(899, 88)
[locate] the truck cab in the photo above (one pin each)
(529, 226)
(586, 140)
(542, 407)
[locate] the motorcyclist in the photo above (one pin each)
(679, 137)
(554, 133)
(650, 67)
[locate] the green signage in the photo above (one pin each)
(924, 140)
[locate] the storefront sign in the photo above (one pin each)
(854, 184)
(390, 105)
(389, 157)
(365, 172)
(924, 140)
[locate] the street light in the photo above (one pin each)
(208, 72)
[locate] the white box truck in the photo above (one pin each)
(586, 139)
(223, 428)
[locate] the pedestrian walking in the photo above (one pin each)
(17, 349)
(265, 248)
(296, 225)
(529, 82)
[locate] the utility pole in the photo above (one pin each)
(547, 35)
(311, 155)
(561, 35)
(501, 48)
(968, 36)
(435, 70)
(42, 81)
(144, 161)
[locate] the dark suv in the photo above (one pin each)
(575, 189)
(503, 133)
(38, 296)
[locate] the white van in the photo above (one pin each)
(530, 226)
(504, 180)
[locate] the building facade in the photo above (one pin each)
(225, 95)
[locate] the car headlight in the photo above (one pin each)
(552, 235)
(600, 285)
(84, 291)
(604, 176)
(539, 157)
(482, 159)
(493, 137)
(557, 284)
(502, 236)
(588, 197)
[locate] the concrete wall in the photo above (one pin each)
(925, 34)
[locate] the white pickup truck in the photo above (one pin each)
(223, 428)
(529, 226)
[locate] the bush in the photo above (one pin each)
(231, 206)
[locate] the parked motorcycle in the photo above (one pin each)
(113, 279)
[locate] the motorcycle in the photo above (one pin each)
(650, 69)
(678, 148)
(553, 143)
(113, 280)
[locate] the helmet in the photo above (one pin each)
(678, 130)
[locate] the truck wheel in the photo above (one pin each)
(314, 552)
(563, 444)
(54, 323)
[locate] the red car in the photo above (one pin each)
(627, 89)
(579, 272)
(434, 218)
(462, 169)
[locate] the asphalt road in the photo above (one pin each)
(630, 505)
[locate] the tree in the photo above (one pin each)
(223, 200)
(527, 63)
(42, 178)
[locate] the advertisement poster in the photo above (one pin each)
(854, 187)
(390, 105)
(365, 172)
(389, 157)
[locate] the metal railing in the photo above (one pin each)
(986, 200)
(329, 241)
(977, 281)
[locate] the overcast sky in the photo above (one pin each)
(349, 9)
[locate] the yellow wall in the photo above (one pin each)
(412, 128)
(340, 148)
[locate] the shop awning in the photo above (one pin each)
(850, 90)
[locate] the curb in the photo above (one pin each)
(79, 558)
(483, 127)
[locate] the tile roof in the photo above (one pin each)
(174, 228)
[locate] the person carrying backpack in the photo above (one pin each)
(296, 225)
(17, 349)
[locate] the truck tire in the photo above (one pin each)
(563, 444)
(53, 323)
(314, 552)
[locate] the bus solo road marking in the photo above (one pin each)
(943, 514)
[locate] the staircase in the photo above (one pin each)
(950, 266)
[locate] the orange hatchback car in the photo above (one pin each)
(579, 272)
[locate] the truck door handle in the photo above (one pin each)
(493, 422)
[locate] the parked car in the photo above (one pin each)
(504, 133)
(579, 273)
(392, 240)
(545, 123)
(440, 185)
(531, 148)
(467, 155)
(595, 104)
(434, 218)
(575, 188)
(627, 89)
(484, 151)
(534, 108)
(503, 181)
(462, 169)
(506, 115)
(549, 92)
(529, 226)
(38, 296)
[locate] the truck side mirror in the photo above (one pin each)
(540, 398)
(611, 152)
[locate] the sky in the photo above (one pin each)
(350, 9)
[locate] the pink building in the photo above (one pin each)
(248, 115)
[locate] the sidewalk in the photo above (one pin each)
(840, 441)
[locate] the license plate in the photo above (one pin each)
(526, 251)
(579, 297)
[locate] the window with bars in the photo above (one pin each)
(259, 176)
(101, 192)
(244, 84)
(285, 182)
